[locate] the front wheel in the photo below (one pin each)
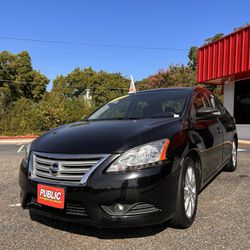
(232, 165)
(187, 196)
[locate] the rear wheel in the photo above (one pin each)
(232, 165)
(187, 196)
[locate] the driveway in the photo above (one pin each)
(222, 222)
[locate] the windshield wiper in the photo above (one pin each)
(165, 116)
(134, 118)
(125, 118)
(137, 118)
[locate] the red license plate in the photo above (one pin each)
(50, 196)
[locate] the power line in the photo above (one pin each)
(27, 82)
(90, 44)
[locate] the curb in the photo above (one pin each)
(244, 142)
(18, 137)
(17, 142)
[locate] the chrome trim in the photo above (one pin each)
(67, 156)
(85, 177)
(62, 159)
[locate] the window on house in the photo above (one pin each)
(242, 102)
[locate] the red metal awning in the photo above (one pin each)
(225, 59)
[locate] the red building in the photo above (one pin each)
(227, 62)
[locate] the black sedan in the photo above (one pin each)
(139, 160)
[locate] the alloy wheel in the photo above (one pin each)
(190, 192)
(234, 154)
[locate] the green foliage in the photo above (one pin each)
(26, 107)
(1, 117)
(107, 86)
(214, 38)
(193, 57)
(28, 117)
(104, 86)
(178, 74)
(75, 82)
(21, 119)
(175, 75)
(51, 111)
(18, 79)
(55, 110)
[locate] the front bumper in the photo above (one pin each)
(156, 186)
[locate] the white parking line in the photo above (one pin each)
(241, 150)
(16, 205)
(20, 149)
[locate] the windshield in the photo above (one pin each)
(161, 104)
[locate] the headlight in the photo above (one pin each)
(141, 157)
(27, 152)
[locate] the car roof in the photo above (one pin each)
(148, 91)
(188, 89)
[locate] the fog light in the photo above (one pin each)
(119, 207)
(135, 209)
(116, 209)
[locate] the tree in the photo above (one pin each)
(75, 82)
(214, 38)
(104, 86)
(175, 75)
(193, 57)
(107, 86)
(18, 79)
(55, 109)
(22, 118)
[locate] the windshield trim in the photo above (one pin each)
(135, 118)
(186, 92)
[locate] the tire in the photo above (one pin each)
(187, 195)
(232, 164)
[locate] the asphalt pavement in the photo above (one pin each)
(222, 222)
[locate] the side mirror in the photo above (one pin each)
(207, 113)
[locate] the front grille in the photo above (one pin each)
(68, 170)
(71, 208)
(141, 209)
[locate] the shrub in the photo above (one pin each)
(28, 117)
(21, 119)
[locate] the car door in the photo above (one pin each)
(209, 135)
(227, 127)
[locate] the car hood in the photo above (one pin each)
(105, 137)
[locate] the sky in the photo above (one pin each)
(128, 23)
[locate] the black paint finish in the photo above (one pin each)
(209, 138)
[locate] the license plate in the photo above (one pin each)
(50, 196)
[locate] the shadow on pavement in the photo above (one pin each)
(100, 233)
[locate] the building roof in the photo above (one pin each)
(226, 59)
